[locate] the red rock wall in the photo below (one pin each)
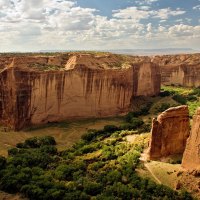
(191, 156)
(33, 97)
(169, 133)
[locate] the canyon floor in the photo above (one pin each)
(65, 133)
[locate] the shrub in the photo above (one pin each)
(192, 98)
(13, 152)
(113, 176)
(2, 162)
(32, 143)
(142, 112)
(196, 91)
(49, 149)
(21, 145)
(165, 93)
(37, 142)
(64, 172)
(145, 128)
(180, 99)
(89, 136)
(76, 195)
(110, 128)
(136, 123)
(47, 140)
(163, 107)
(92, 188)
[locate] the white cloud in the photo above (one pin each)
(144, 2)
(196, 7)
(149, 27)
(138, 13)
(165, 13)
(131, 12)
(53, 24)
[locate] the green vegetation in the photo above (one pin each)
(99, 166)
(184, 96)
(46, 67)
(163, 107)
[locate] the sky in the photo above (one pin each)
(33, 25)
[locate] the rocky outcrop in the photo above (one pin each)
(169, 132)
(191, 156)
(42, 89)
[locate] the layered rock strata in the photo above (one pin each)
(72, 86)
(169, 133)
(191, 156)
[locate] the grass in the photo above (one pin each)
(65, 133)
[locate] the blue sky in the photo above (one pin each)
(32, 25)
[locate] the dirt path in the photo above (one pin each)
(143, 158)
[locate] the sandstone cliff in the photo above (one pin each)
(183, 70)
(42, 89)
(169, 132)
(191, 156)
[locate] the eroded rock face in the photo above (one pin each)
(191, 156)
(29, 95)
(183, 70)
(169, 132)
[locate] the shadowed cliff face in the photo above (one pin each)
(31, 96)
